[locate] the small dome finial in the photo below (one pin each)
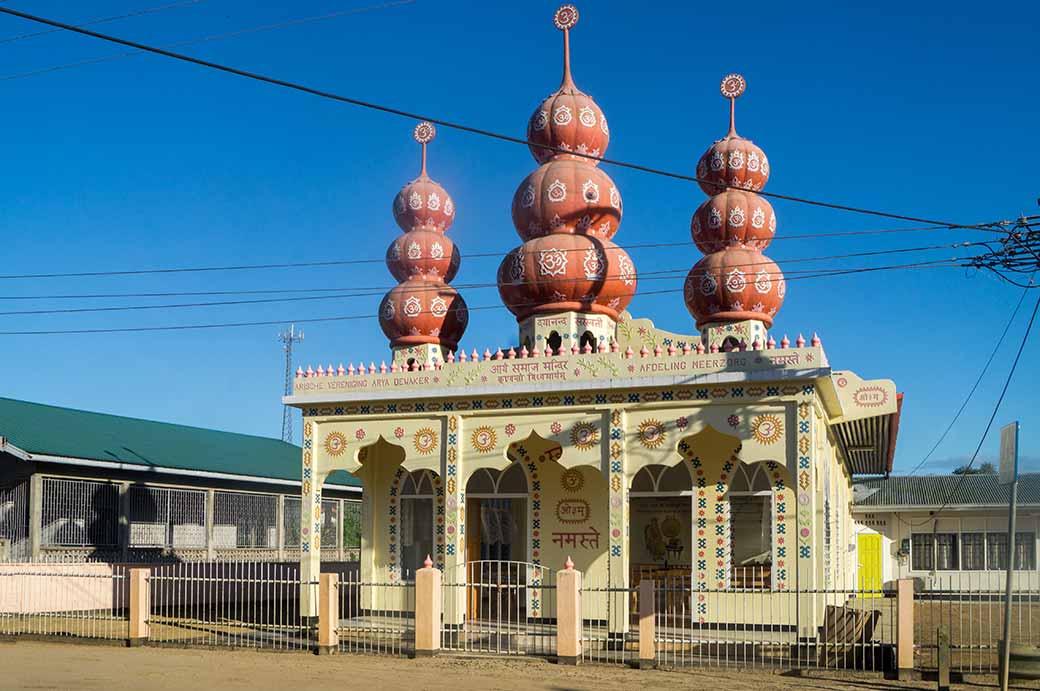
(566, 17)
(732, 86)
(424, 132)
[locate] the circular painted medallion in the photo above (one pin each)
(651, 433)
(767, 429)
(484, 439)
(425, 440)
(584, 436)
(572, 480)
(335, 444)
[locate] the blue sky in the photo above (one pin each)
(925, 109)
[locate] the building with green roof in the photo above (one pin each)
(78, 485)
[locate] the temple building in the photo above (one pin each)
(725, 457)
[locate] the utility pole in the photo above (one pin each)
(288, 338)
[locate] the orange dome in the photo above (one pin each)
(422, 310)
(733, 218)
(568, 119)
(567, 196)
(733, 285)
(733, 161)
(422, 252)
(423, 203)
(561, 273)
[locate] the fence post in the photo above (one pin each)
(647, 609)
(428, 607)
(568, 615)
(328, 613)
(905, 629)
(140, 606)
(942, 637)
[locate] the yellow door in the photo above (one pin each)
(868, 549)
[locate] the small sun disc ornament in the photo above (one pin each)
(566, 17)
(732, 86)
(424, 132)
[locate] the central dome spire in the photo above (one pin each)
(568, 280)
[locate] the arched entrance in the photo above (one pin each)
(660, 502)
(496, 504)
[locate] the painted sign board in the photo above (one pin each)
(1009, 453)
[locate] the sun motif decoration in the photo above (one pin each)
(767, 429)
(566, 17)
(335, 444)
(424, 440)
(651, 433)
(584, 436)
(484, 439)
(732, 86)
(572, 480)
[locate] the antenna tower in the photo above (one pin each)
(288, 337)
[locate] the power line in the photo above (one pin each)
(203, 39)
(375, 260)
(104, 20)
(992, 417)
(978, 381)
(439, 121)
(354, 317)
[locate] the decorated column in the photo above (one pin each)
(808, 501)
(618, 523)
(312, 476)
(454, 521)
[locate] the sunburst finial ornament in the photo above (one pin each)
(566, 17)
(733, 85)
(424, 132)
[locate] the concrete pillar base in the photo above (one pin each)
(572, 660)
(427, 653)
(908, 675)
(647, 664)
(136, 642)
(327, 649)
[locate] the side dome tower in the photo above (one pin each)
(734, 291)
(568, 282)
(423, 316)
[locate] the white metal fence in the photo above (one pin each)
(970, 606)
(65, 600)
(503, 607)
(376, 618)
(231, 604)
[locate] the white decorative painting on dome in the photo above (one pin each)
(552, 262)
(412, 307)
(735, 281)
(562, 115)
(557, 191)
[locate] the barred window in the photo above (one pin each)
(946, 556)
(164, 517)
(996, 551)
(1025, 551)
(922, 552)
(245, 520)
(973, 551)
(80, 513)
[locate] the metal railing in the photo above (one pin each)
(231, 604)
(502, 607)
(376, 618)
(66, 600)
(970, 605)
(786, 629)
(610, 626)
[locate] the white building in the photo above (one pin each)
(949, 530)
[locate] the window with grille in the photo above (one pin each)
(1025, 551)
(973, 551)
(79, 513)
(166, 517)
(946, 555)
(922, 552)
(245, 520)
(14, 520)
(996, 551)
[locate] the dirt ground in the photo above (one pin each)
(37, 665)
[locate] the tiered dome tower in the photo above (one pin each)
(568, 282)
(734, 291)
(423, 316)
